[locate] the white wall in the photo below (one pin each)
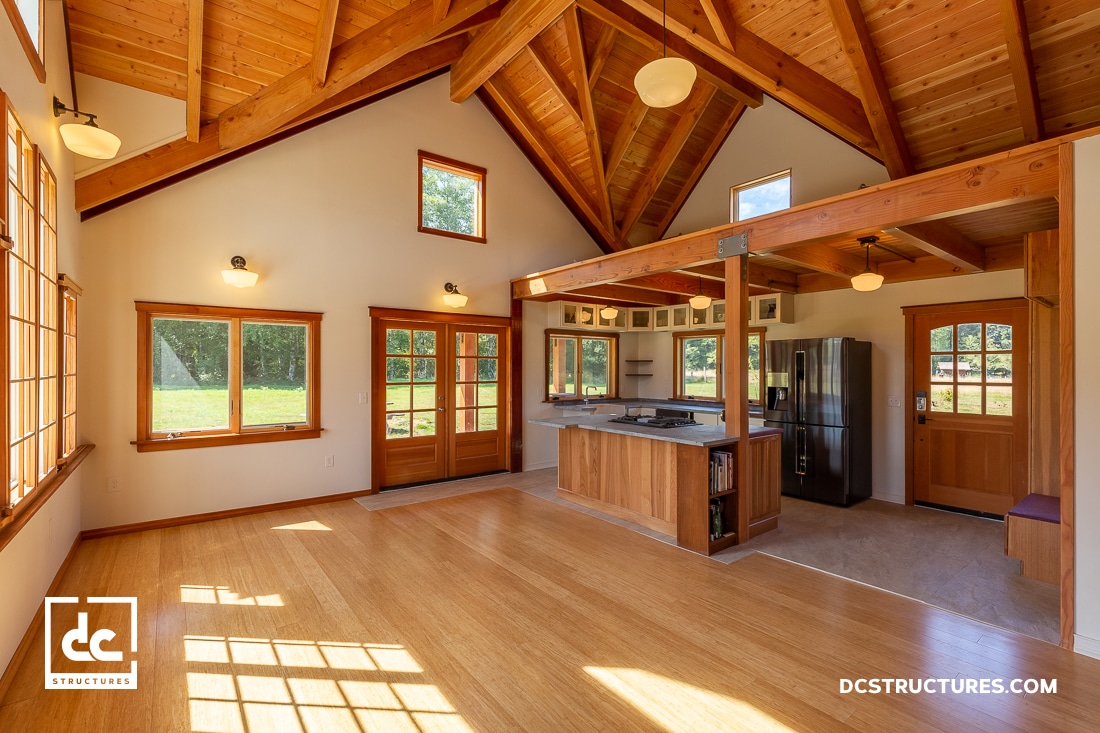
(1087, 303)
(29, 563)
(767, 140)
(328, 220)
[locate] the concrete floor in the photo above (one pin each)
(951, 561)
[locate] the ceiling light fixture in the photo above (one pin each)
(667, 80)
(867, 281)
(699, 301)
(239, 276)
(608, 312)
(88, 139)
(453, 298)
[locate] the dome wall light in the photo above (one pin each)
(666, 81)
(699, 301)
(453, 298)
(867, 281)
(88, 139)
(239, 276)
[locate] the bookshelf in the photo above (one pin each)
(634, 365)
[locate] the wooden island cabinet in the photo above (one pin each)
(673, 481)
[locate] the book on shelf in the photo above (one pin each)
(717, 523)
(721, 471)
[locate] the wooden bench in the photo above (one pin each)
(1032, 536)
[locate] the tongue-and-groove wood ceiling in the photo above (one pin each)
(916, 84)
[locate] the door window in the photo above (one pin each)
(971, 368)
(477, 375)
(411, 383)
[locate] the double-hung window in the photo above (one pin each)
(580, 365)
(219, 376)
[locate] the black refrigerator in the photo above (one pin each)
(819, 394)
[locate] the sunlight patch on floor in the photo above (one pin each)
(311, 526)
(682, 708)
(222, 596)
(317, 699)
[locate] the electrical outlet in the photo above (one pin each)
(362, 398)
(330, 461)
(112, 485)
(893, 401)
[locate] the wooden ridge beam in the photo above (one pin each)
(575, 39)
(721, 21)
(940, 240)
(179, 156)
(404, 31)
(1017, 176)
(605, 44)
(496, 45)
(1018, 44)
(855, 37)
(194, 69)
(679, 283)
(768, 68)
(823, 258)
(322, 41)
(692, 112)
(648, 32)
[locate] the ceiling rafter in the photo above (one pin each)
(605, 44)
(194, 68)
(1018, 43)
(721, 21)
(575, 38)
(628, 294)
(940, 240)
(280, 102)
(635, 115)
(680, 283)
(554, 76)
(761, 276)
(440, 10)
(692, 111)
(496, 45)
(322, 40)
(823, 258)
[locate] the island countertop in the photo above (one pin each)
(702, 435)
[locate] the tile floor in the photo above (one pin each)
(951, 561)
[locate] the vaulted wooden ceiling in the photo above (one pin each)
(916, 84)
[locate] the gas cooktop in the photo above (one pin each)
(655, 422)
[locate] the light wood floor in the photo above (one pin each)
(499, 611)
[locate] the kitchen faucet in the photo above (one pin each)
(591, 386)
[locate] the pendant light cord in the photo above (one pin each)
(664, 28)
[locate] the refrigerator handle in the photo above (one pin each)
(800, 450)
(800, 386)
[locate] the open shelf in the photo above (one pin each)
(639, 361)
(720, 494)
(637, 375)
(729, 539)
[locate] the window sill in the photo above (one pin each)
(10, 526)
(210, 441)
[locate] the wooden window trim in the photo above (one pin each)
(11, 525)
(148, 440)
(763, 341)
(66, 287)
(678, 366)
(613, 364)
(36, 57)
(734, 190)
(457, 167)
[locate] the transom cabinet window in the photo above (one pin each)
(452, 198)
(579, 366)
(762, 196)
(218, 376)
(698, 362)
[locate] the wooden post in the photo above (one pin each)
(737, 380)
(1067, 414)
(515, 399)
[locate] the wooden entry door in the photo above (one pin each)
(969, 404)
(439, 400)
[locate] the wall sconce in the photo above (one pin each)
(608, 312)
(453, 298)
(699, 301)
(867, 281)
(88, 139)
(239, 276)
(668, 80)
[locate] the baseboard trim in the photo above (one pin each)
(24, 647)
(1086, 645)
(540, 466)
(91, 534)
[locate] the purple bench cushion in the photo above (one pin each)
(1039, 506)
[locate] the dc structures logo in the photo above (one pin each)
(102, 648)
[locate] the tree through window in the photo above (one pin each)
(452, 198)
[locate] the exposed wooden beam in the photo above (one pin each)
(648, 33)
(768, 68)
(579, 198)
(721, 21)
(944, 242)
(635, 115)
(194, 69)
(763, 277)
(322, 40)
(440, 9)
(823, 258)
(716, 142)
(171, 159)
(676, 282)
(851, 28)
(692, 112)
(496, 45)
(605, 44)
(1018, 176)
(628, 294)
(554, 76)
(276, 104)
(575, 39)
(1018, 43)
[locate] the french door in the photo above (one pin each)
(439, 395)
(970, 404)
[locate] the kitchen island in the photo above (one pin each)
(677, 481)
